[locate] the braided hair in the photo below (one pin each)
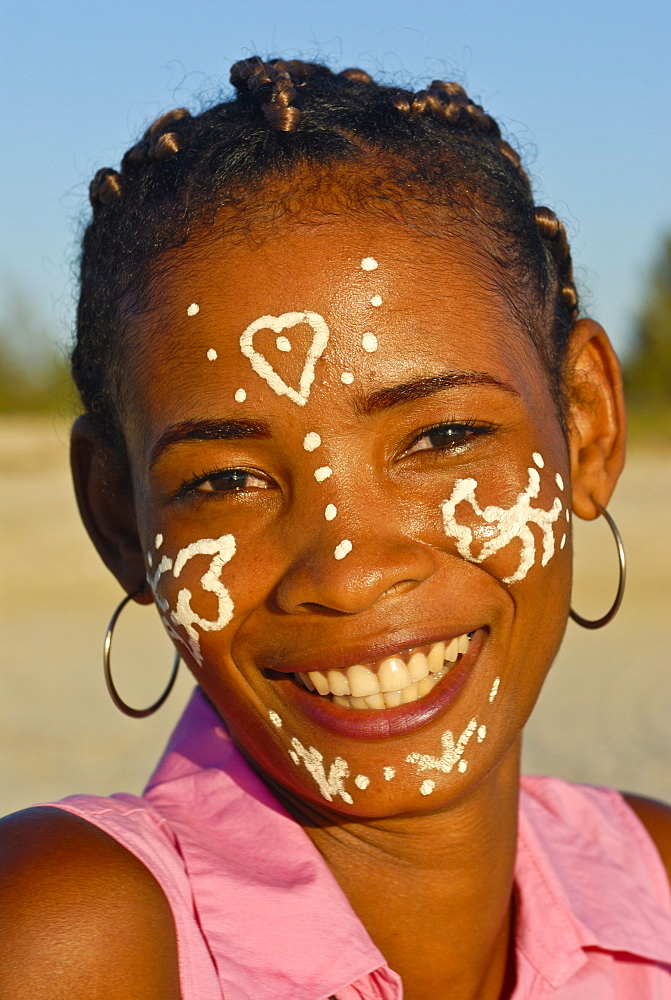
(291, 120)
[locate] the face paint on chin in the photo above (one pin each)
(507, 523)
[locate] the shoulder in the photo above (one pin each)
(656, 818)
(79, 915)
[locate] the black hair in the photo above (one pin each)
(289, 120)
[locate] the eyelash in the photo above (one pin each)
(191, 486)
(465, 429)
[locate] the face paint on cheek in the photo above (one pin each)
(329, 785)
(262, 366)
(509, 523)
(451, 755)
(212, 354)
(222, 550)
(311, 441)
(343, 549)
(193, 309)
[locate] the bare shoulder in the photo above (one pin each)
(79, 915)
(656, 818)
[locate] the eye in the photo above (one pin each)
(447, 437)
(225, 481)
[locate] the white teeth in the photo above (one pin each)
(418, 666)
(337, 682)
(452, 651)
(392, 674)
(319, 681)
(362, 681)
(436, 657)
(392, 683)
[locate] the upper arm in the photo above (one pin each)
(80, 917)
(656, 818)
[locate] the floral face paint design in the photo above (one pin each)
(511, 522)
(222, 550)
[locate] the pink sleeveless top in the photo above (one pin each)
(259, 915)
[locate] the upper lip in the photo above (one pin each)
(347, 653)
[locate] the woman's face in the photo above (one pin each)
(346, 461)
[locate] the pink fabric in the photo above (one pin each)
(260, 917)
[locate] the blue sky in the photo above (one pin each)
(584, 88)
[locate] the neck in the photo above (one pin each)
(446, 882)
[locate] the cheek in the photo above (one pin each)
(511, 535)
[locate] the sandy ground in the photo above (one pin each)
(604, 715)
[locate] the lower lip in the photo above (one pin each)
(380, 723)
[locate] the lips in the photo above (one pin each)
(394, 680)
(439, 690)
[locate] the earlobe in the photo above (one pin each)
(104, 498)
(597, 421)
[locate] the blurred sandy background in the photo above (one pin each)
(604, 716)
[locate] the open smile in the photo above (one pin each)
(395, 680)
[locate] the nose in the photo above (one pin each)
(379, 564)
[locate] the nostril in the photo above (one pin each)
(402, 587)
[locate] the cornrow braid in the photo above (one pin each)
(290, 120)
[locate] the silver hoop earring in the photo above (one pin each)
(135, 713)
(610, 614)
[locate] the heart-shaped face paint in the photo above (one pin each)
(263, 367)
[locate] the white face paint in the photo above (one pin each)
(376, 300)
(222, 550)
(275, 719)
(495, 689)
(329, 785)
(389, 773)
(212, 354)
(282, 344)
(330, 512)
(482, 732)
(193, 309)
(240, 396)
(510, 523)
(369, 342)
(538, 459)
(563, 541)
(343, 549)
(263, 368)
(158, 541)
(361, 781)
(427, 786)
(368, 264)
(311, 441)
(347, 378)
(559, 481)
(451, 755)
(323, 473)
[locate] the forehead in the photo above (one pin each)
(431, 302)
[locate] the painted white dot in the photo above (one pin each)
(369, 342)
(495, 689)
(212, 354)
(283, 344)
(275, 719)
(323, 473)
(343, 549)
(193, 309)
(361, 781)
(311, 441)
(240, 396)
(538, 459)
(389, 773)
(462, 765)
(376, 300)
(158, 541)
(559, 481)
(330, 512)
(482, 732)
(150, 559)
(294, 756)
(347, 378)
(427, 787)
(568, 514)
(563, 542)
(368, 264)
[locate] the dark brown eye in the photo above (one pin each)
(445, 436)
(230, 480)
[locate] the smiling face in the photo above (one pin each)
(349, 475)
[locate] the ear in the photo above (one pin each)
(597, 420)
(105, 500)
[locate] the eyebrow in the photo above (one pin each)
(406, 392)
(209, 430)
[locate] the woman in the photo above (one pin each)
(339, 412)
